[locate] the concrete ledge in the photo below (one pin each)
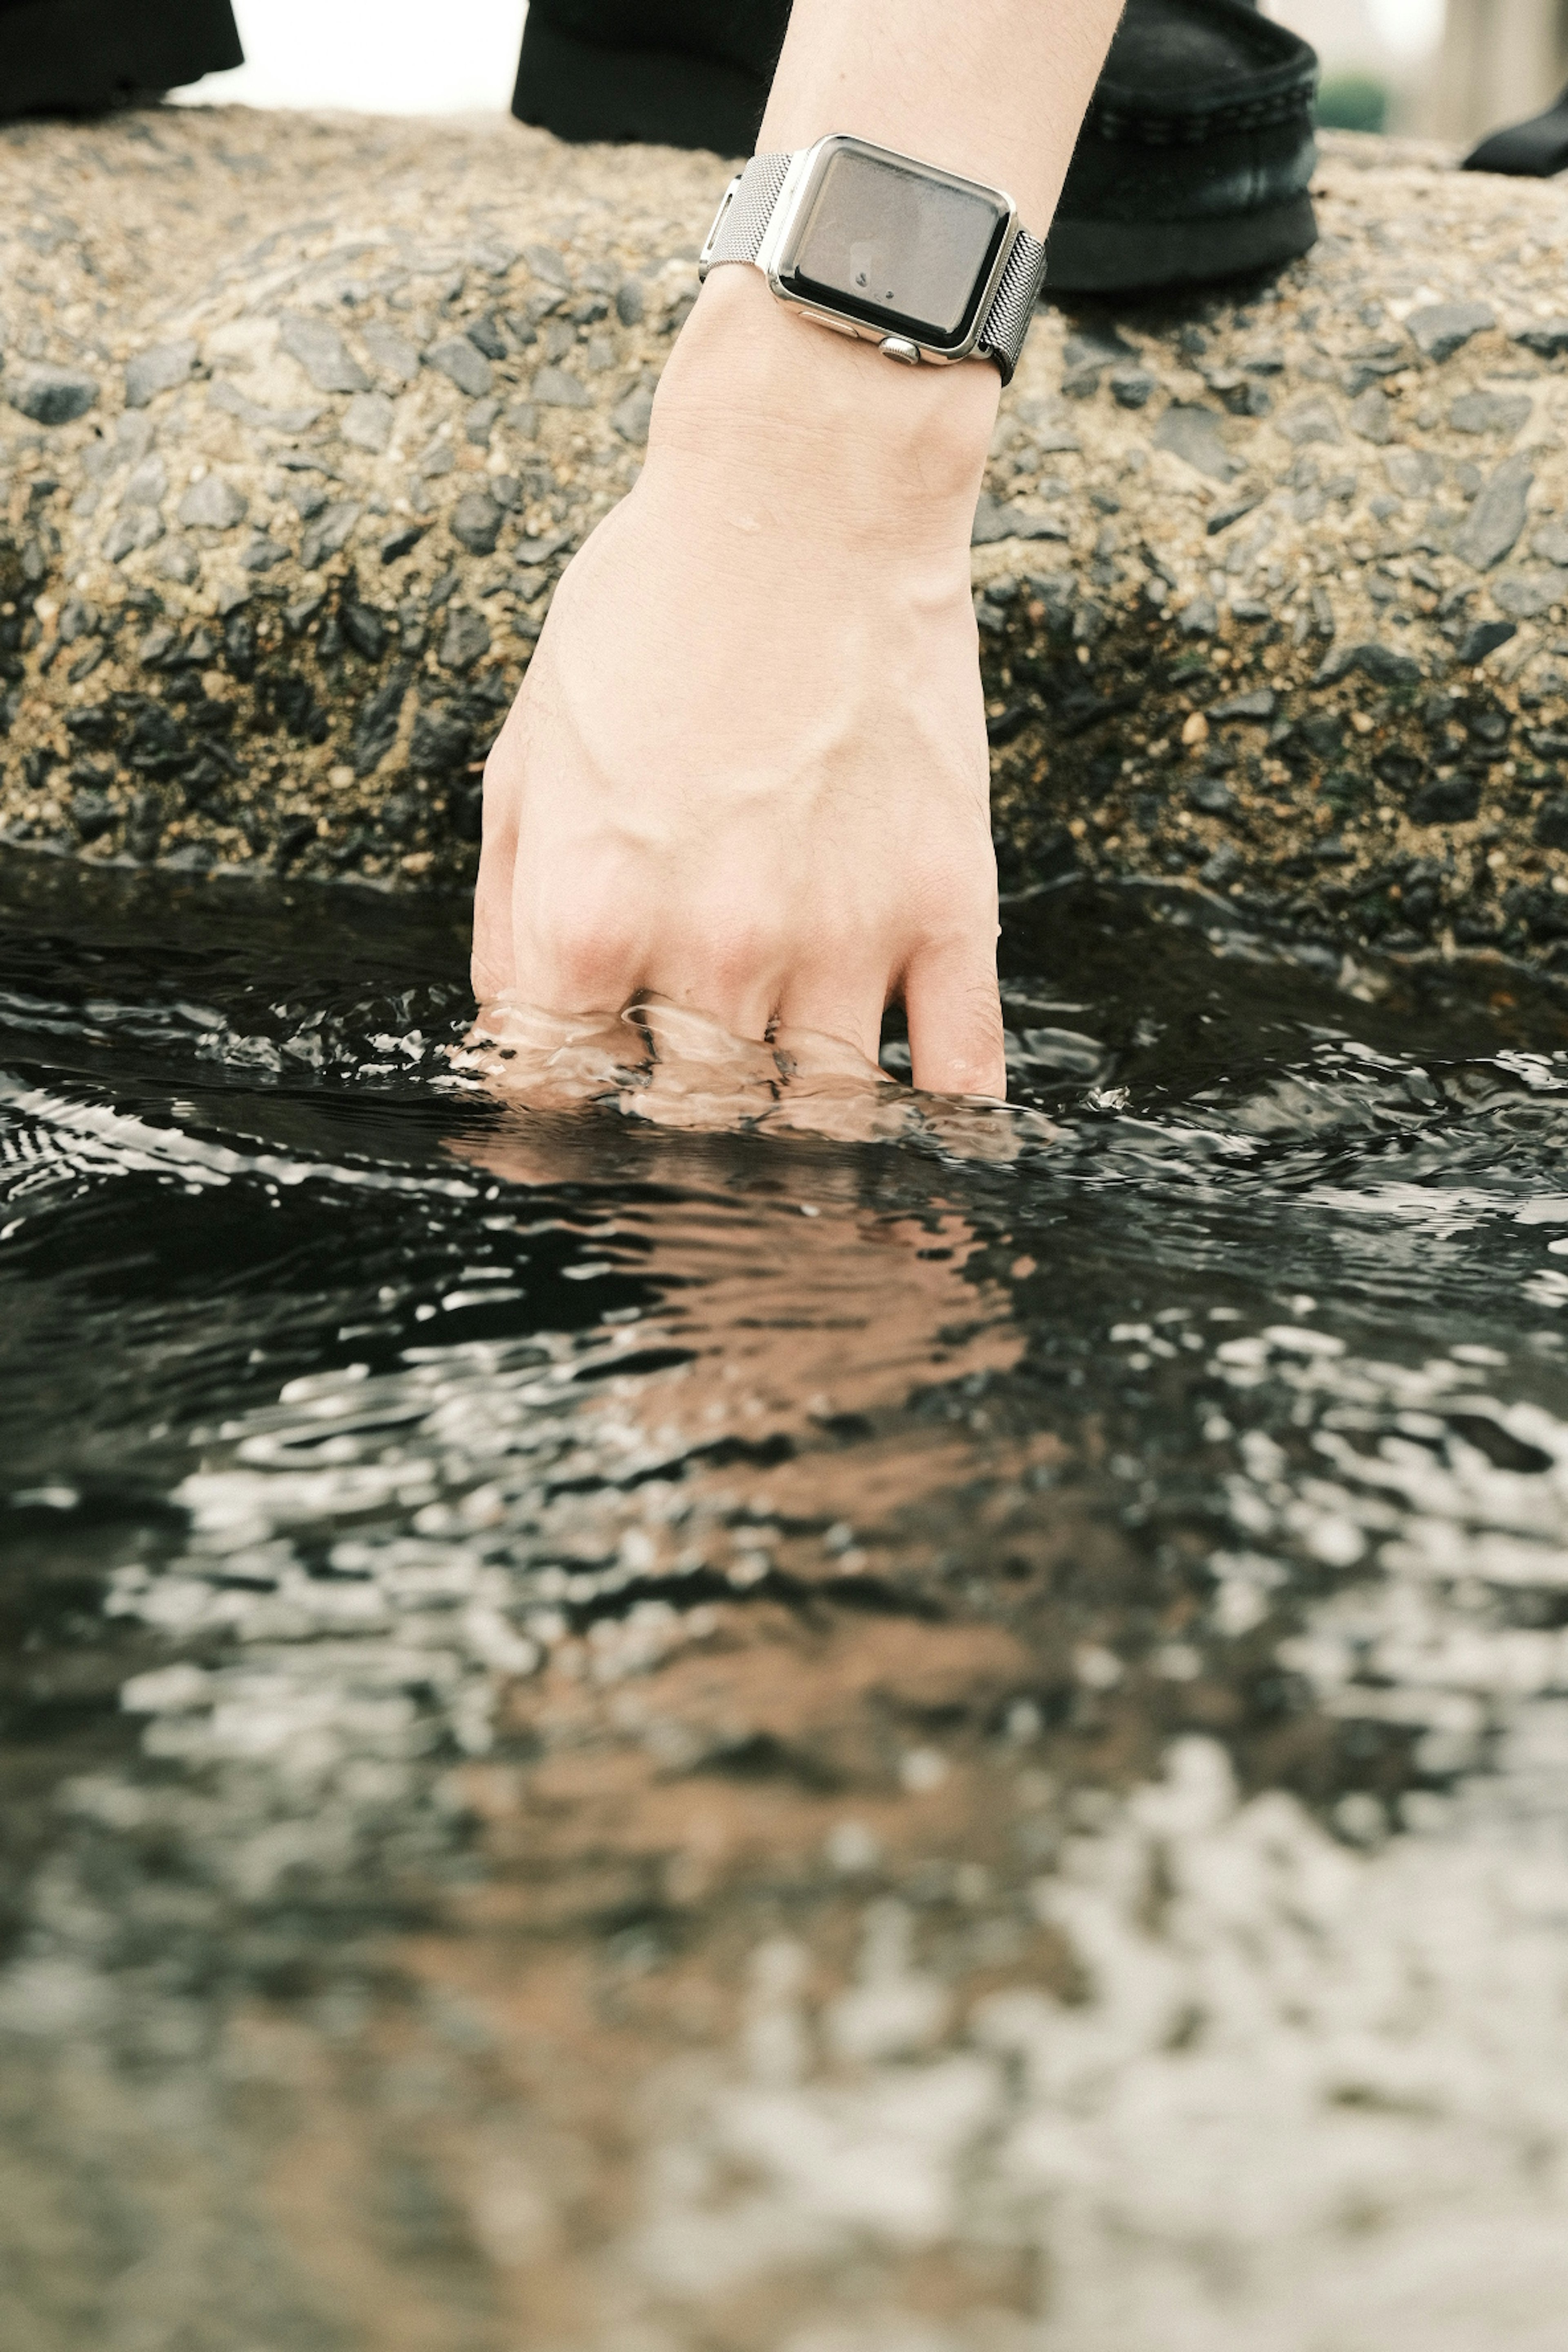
(301, 418)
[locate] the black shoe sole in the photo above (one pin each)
(82, 57)
(1089, 257)
(1536, 150)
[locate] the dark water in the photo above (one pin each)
(692, 1707)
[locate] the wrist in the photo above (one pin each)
(754, 389)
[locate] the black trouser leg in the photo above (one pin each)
(75, 57)
(682, 73)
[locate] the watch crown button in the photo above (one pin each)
(898, 347)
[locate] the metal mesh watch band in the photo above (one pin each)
(750, 207)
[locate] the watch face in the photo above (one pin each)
(900, 247)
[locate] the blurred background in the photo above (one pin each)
(1433, 69)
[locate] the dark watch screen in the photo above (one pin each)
(897, 247)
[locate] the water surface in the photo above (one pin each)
(697, 1707)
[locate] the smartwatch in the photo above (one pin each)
(926, 265)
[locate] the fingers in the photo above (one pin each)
(845, 1005)
(955, 1010)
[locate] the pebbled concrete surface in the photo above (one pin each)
(301, 418)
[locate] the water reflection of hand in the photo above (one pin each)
(787, 1305)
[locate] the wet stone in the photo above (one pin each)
(1243, 556)
(375, 728)
(1447, 799)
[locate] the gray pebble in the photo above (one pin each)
(147, 483)
(1226, 866)
(1232, 512)
(1191, 432)
(547, 261)
(212, 504)
(132, 532)
(178, 559)
(631, 415)
(1442, 328)
(1259, 704)
(321, 352)
(631, 303)
(262, 553)
(1548, 339)
(1411, 472)
(1551, 823)
(1372, 416)
(1447, 799)
(465, 640)
(555, 387)
(327, 535)
(996, 520)
(1497, 518)
(1490, 411)
(479, 423)
(1551, 541)
(463, 363)
(1484, 639)
(52, 395)
(393, 353)
(475, 521)
(1525, 595)
(161, 368)
(1210, 794)
(367, 421)
(1131, 387)
(1198, 619)
(486, 337)
(1309, 420)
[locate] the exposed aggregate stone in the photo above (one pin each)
(302, 419)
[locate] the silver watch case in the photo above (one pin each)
(776, 254)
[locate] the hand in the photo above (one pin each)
(747, 769)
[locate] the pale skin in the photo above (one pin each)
(747, 770)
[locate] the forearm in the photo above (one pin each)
(995, 89)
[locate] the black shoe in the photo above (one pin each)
(1193, 163)
(79, 56)
(1195, 156)
(1528, 151)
